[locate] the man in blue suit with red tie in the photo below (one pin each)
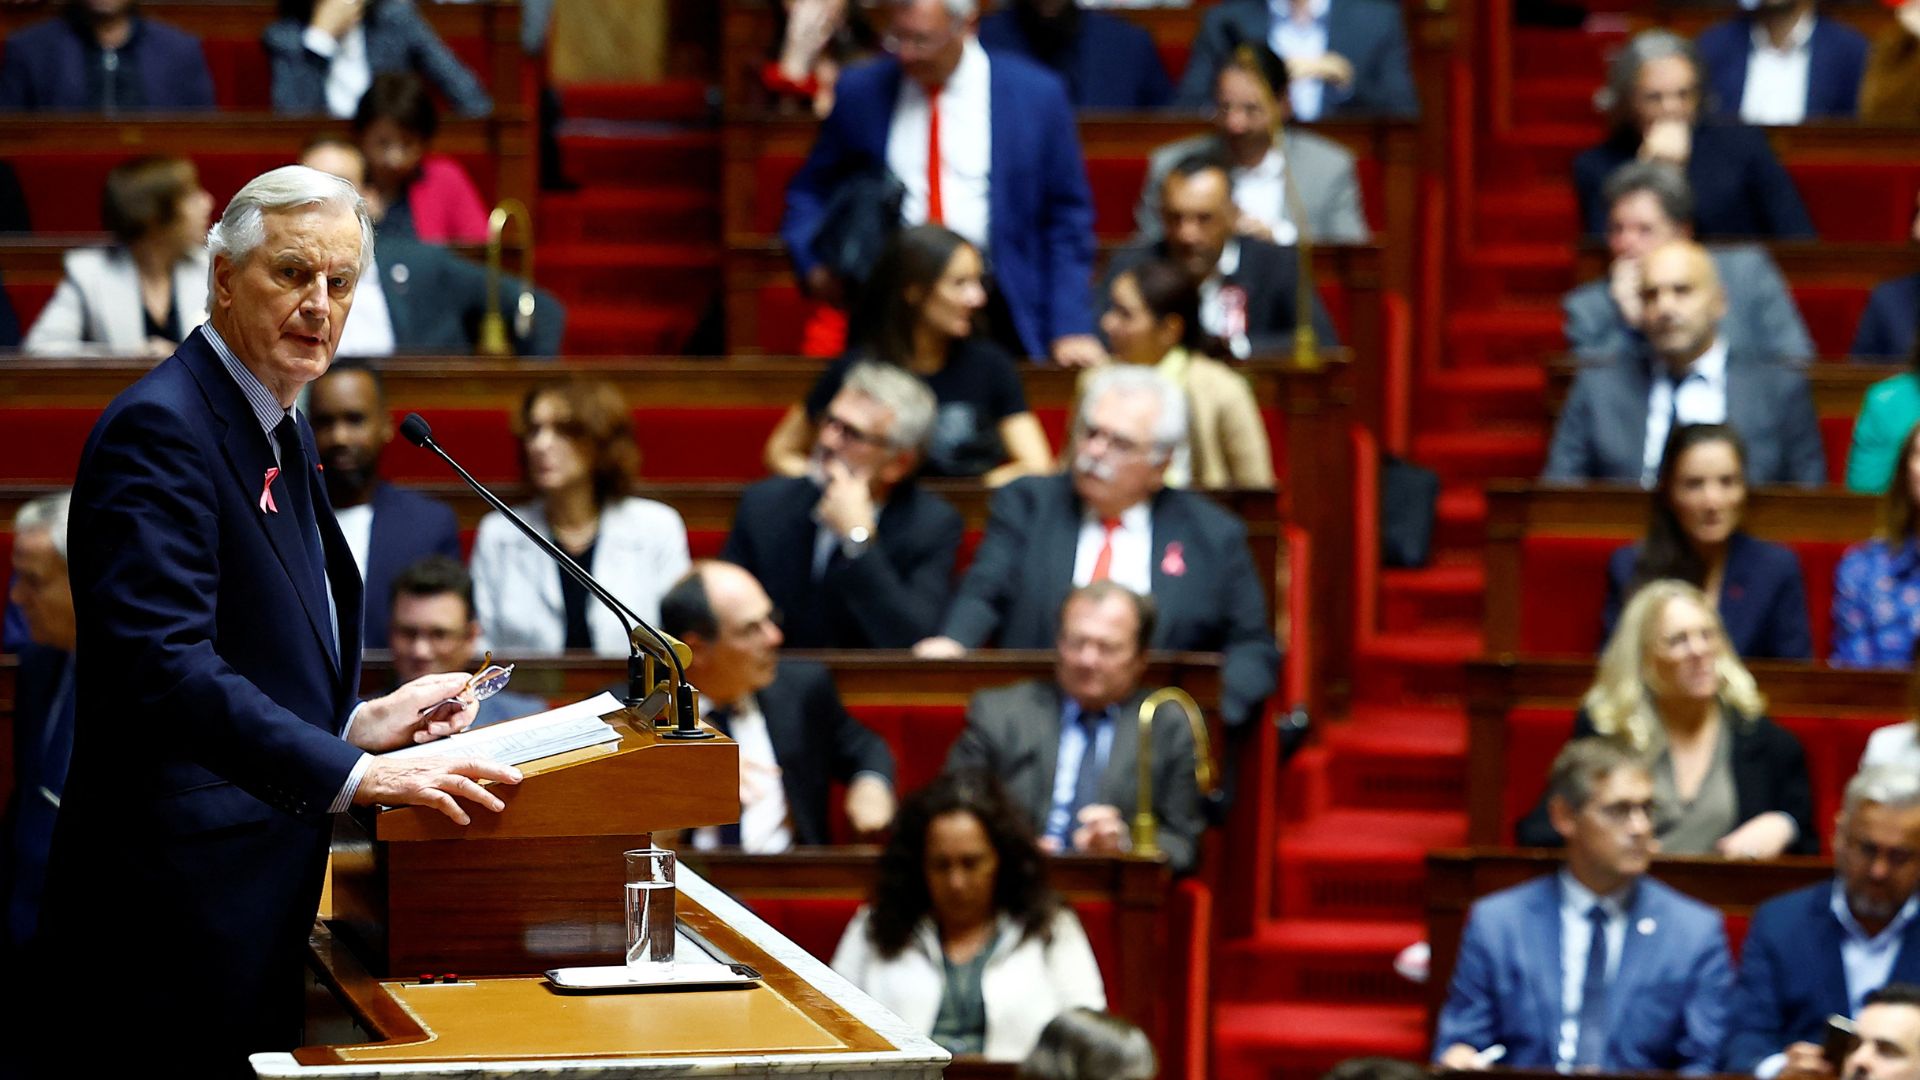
(985, 145)
(217, 720)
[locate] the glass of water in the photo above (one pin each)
(650, 900)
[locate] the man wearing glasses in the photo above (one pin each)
(859, 555)
(1596, 967)
(432, 629)
(1819, 951)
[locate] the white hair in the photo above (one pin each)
(956, 9)
(1170, 419)
(243, 226)
(901, 393)
(47, 513)
(1891, 786)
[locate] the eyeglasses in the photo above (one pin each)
(918, 44)
(1119, 443)
(1622, 812)
(439, 636)
(482, 684)
(830, 422)
(1897, 857)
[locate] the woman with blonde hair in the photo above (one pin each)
(1727, 780)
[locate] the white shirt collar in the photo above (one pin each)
(971, 73)
(1710, 365)
(1578, 899)
(1283, 9)
(1799, 39)
(1893, 930)
(1270, 167)
(1229, 260)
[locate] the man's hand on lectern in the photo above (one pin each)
(433, 781)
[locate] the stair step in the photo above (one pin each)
(629, 216)
(1320, 961)
(1431, 598)
(1304, 787)
(672, 99)
(1347, 864)
(1403, 767)
(1294, 1041)
(684, 277)
(673, 158)
(1478, 456)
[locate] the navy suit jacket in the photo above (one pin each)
(1111, 63)
(1666, 1007)
(816, 742)
(436, 299)
(1837, 61)
(398, 39)
(1369, 33)
(208, 730)
(1791, 978)
(1209, 597)
(1763, 599)
(1740, 189)
(46, 68)
(1040, 247)
(407, 527)
(42, 747)
(1886, 328)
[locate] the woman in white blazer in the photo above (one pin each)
(144, 294)
(578, 454)
(963, 937)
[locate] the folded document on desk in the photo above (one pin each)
(514, 742)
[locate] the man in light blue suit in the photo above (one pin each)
(1597, 967)
(1015, 186)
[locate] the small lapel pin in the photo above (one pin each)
(266, 492)
(1646, 927)
(1173, 563)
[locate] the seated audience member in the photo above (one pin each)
(1153, 320)
(795, 737)
(1086, 1044)
(389, 528)
(143, 295)
(1248, 286)
(1112, 517)
(922, 314)
(1281, 174)
(410, 190)
(1897, 745)
(1068, 749)
(1876, 587)
(1886, 1036)
(1779, 63)
(1824, 949)
(1886, 330)
(1348, 57)
(858, 554)
(432, 629)
(1890, 90)
(42, 714)
(1105, 61)
(100, 56)
(1726, 780)
(430, 300)
(1649, 204)
(963, 938)
(1014, 185)
(1739, 188)
(817, 40)
(1598, 967)
(1615, 423)
(1694, 535)
(325, 53)
(577, 449)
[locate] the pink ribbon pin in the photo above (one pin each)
(1173, 564)
(266, 492)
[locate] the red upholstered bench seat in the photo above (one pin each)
(1858, 201)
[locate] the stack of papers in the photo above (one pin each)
(514, 742)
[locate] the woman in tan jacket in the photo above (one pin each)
(1155, 320)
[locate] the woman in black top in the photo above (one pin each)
(926, 320)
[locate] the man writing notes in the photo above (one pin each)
(218, 612)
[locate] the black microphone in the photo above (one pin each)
(649, 700)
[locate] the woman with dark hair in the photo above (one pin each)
(409, 189)
(1153, 320)
(1888, 412)
(578, 455)
(144, 294)
(1694, 535)
(323, 54)
(1876, 587)
(1085, 1044)
(921, 312)
(963, 937)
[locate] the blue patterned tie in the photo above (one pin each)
(1592, 1043)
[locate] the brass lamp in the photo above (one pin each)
(493, 329)
(1145, 827)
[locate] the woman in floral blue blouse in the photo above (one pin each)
(1876, 589)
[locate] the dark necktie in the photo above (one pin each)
(722, 720)
(1592, 1044)
(1086, 785)
(296, 473)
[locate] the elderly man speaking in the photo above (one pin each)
(217, 725)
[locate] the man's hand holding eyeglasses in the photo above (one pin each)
(391, 722)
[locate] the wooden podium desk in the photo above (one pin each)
(800, 1019)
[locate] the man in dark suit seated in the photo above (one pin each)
(1597, 967)
(1886, 329)
(1248, 286)
(857, 554)
(99, 56)
(1649, 204)
(433, 629)
(796, 738)
(1112, 517)
(1615, 423)
(1349, 57)
(1105, 62)
(1068, 749)
(1779, 63)
(42, 715)
(1819, 951)
(389, 528)
(1006, 171)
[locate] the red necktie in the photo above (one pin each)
(934, 216)
(1103, 563)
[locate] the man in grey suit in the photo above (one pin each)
(1620, 412)
(1349, 57)
(1650, 203)
(1068, 749)
(1280, 173)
